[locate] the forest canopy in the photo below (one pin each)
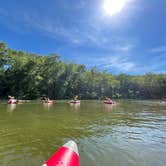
(31, 76)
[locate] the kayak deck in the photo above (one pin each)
(67, 155)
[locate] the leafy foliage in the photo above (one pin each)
(31, 76)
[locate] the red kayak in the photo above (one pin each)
(108, 102)
(67, 155)
(75, 101)
(12, 101)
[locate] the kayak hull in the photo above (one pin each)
(63, 157)
(67, 155)
(163, 102)
(75, 102)
(12, 102)
(108, 102)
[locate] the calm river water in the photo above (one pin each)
(133, 133)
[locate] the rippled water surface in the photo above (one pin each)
(132, 133)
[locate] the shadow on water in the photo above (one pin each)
(131, 133)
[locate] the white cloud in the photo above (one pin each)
(125, 47)
(121, 60)
(74, 34)
(159, 49)
(122, 63)
(84, 35)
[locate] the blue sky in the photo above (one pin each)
(132, 41)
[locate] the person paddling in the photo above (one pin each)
(11, 97)
(75, 98)
(12, 100)
(108, 99)
(47, 100)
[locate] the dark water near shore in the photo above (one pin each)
(133, 133)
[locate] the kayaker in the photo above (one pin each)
(163, 100)
(108, 99)
(75, 98)
(11, 97)
(47, 100)
(12, 100)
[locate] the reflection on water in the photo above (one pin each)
(75, 106)
(130, 133)
(108, 107)
(11, 107)
(47, 106)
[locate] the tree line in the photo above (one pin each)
(31, 76)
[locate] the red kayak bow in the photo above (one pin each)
(67, 155)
